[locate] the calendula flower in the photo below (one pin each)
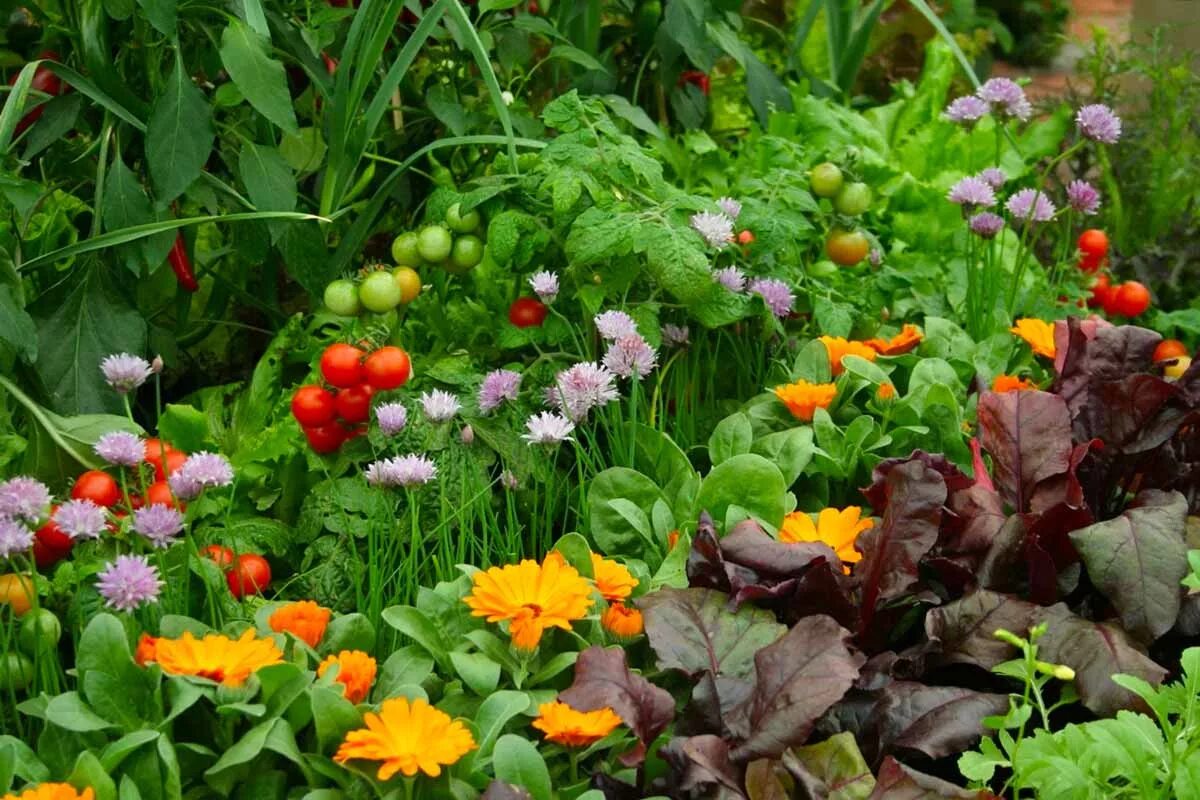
(622, 621)
(566, 726)
(838, 348)
(885, 393)
(303, 619)
(835, 527)
(407, 738)
(147, 649)
(907, 339)
(613, 579)
(803, 398)
(672, 540)
(52, 791)
(355, 671)
(1038, 334)
(1012, 383)
(531, 597)
(216, 656)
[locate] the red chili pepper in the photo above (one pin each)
(697, 78)
(43, 81)
(331, 63)
(181, 265)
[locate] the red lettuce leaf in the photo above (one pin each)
(899, 782)
(702, 768)
(602, 678)
(1028, 435)
(934, 721)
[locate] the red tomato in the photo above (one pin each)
(175, 459)
(525, 312)
(97, 486)
(313, 405)
(1093, 243)
(745, 237)
(387, 368)
(159, 493)
(1130, 300)
(325, 438)
(1169, 349)
(43, 81)
(697, 78)
(341, 365)
(354, 404)
(220, 555)
(250, 575)
(1101, 291)
(50, 543)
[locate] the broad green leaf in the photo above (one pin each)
(185, 427)
(518, 761)
(479, 672)
(161, 14)
(16, 326)
(406, 666)
(89, 772)
(748, 481)
(68, 711)
(333, 716)
(261, 79)
(418, 627)
(494, 713)
(732, 437)
(611, 527)
(179, 136)
(268, 178)
(125, 205)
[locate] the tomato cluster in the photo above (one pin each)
(1128, 299)
(844, 246)
(246, 573)
(329, 418)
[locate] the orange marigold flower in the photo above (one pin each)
(803, 398)
(146, 646)
(407, 739)
(907, 339)
(672, 540)
(355, 671)
(303, 619)
(216, 657)
(837, 528)
(1012, 383)
(622, 621)
(614, 580)
(837, 348)
(1038, 334)
(570, 728)
(52, 791)
(532, 597)
(885, 392)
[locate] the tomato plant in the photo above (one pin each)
(50, 543)
(404, 250)
(409, 282)
(341, 297)
(39, 633)
(825, 180)
(249, 574)
(379, 293)
(313, 405)
(325, 438)
(1093, 247)
(434, 244)
(1129, 300)
(354, 403)
(387, 368)
(97, 486)
(16, 592)
(847, 248)
(1168, 349)
(853, 199)
(525, 312)
(219, 554)
(341, 364)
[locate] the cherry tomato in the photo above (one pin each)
(341, 364)
(853, 199)
(1101, 291)
(1169, 349)
(250, 575)
(341, 297)
(97, 486)
(379, 292)
(175, 459)
(325, 438)
(745, 238)
(220, 555)
(825, 180)
(1177, 367)
(354, 404)
(40, 632)
(387, 368)
(846, 247)
(1131, 299)
(459, 222)
(313, 405)
(159, 494)
(16, 672)
(434, 243)
(17, 592)
(466, 254)
(1093, 247)
(409, 282)
(404, 250)
(697, 78)
(50, 543)
(525, 312)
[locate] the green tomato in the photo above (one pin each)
(40, 632)
(853, 199)
(341, 297)
(822, 269)
(467, 252)
(404, 250)
(379, 292)
(462, 223)
(825, 180)
(434, 243)
(16, 672)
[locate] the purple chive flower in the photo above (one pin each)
(715, 229)
(731, 278)
(545, 286)
(675, 335)
(1083, 197)
(158, 523)
(547, 428)
(731, 207)
(439, 406)
(392, 417)
(579, 389)
(81, 519)
(1031, 206)
(972, 193)
(986, 225)
(401, 471)
(613, 325)
(498, 386)
(630, 357)
(994, 177)
(467, 435)
(129, 582)
(24, 498)
(775, 294)
(1006, 97)
(121, 448)
(509, 481)
(125, 372)
(1098, 123)
(968, 110)
(14, 538)
(200, 471)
